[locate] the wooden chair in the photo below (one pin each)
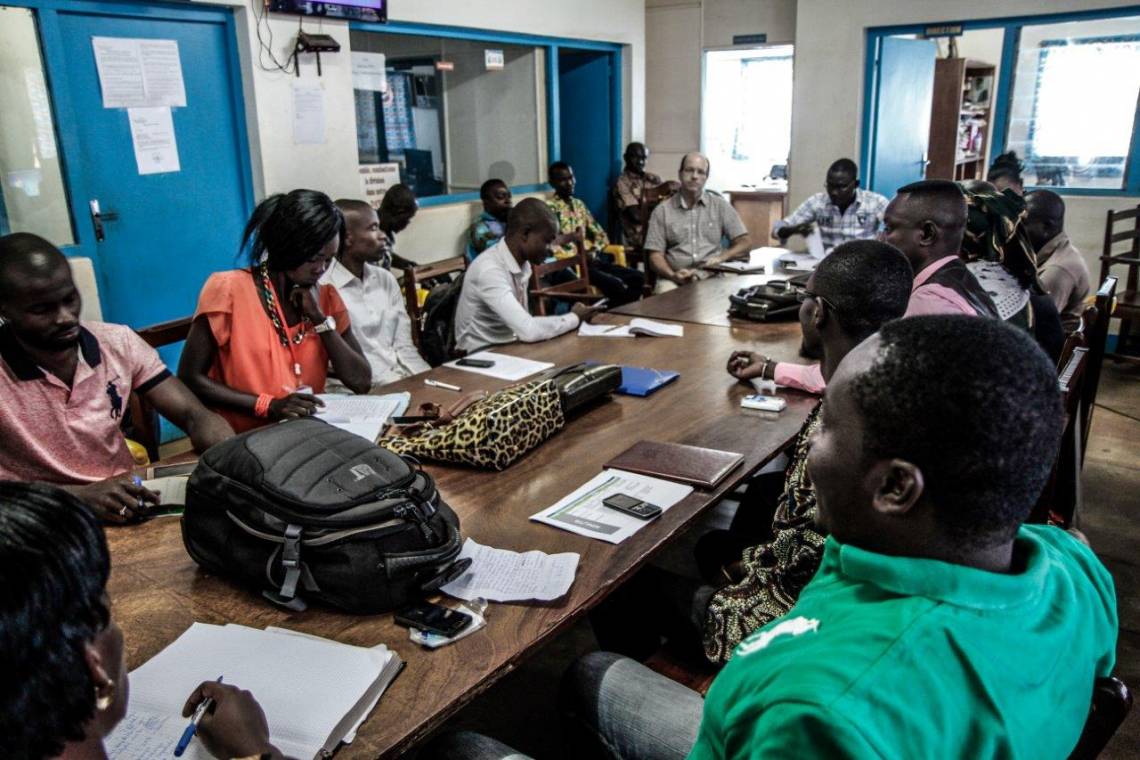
(576, 290)
(143, 416)
(1097, 334)
(1110, 705)
(1128, 301)
(1060, 502)
(419, 275)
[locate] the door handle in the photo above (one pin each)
(98, 217)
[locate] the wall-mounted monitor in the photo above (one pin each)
(356, 10)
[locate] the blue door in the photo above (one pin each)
(586, 124)
(904, 89)
(163, 233)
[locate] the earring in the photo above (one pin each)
(104, 700)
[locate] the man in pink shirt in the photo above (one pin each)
(65, 386)
(926, 221)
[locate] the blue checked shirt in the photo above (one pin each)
(860, 221)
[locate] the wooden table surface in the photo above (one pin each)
(158, 591)
(704, 302)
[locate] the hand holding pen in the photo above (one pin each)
(232, 723)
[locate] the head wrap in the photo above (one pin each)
(995, 231)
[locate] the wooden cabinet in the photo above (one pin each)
(759, 210)
(960, 119)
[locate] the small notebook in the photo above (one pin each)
(677, 461)
(641, 381)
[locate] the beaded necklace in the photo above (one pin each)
(273, 309)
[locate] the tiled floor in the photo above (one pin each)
(520, 709)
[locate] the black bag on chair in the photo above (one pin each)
(767, 303)
(304, 508)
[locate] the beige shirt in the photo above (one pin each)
(690, 234)
(1065, 277)
(492, 306)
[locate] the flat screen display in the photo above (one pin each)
(356, 10)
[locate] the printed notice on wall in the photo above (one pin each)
(368, 72)
(376, 179)
(493, 59)
(152, 132)
(308, 114)
(136, 73)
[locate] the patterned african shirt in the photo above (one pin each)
(572, 215)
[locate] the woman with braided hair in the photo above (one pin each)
(263, 337)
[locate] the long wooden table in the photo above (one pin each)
(704, 302)
(158, 591)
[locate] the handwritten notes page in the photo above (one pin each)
(499, 575)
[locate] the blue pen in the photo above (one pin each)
(138, 482)
(195, 719)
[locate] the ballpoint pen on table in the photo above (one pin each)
(195, 719)
(445, 386)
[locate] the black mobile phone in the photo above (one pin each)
(642, 510)
(481, 363)
(412, 420)
(434, 618)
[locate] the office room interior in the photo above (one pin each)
(150, 199)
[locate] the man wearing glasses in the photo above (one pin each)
(845, 212)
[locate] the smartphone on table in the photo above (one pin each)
(434, 618)
(630, 505)
(481, 363)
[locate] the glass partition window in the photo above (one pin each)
(1074, 103)
(32, 195)
(451, 113)
(746, 114)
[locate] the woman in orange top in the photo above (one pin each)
(263, 337)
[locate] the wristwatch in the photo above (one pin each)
(328, 324)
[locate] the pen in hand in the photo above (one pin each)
(203, 706)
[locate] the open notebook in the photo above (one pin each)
(367, 416)
(315, 692)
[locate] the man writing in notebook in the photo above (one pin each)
(66, 383)
(492, 306)
(373, 298)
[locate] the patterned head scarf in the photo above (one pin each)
(995, 231)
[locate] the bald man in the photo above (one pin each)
(1061, 269)
(492, 306)
(685, 232)
(65, 386)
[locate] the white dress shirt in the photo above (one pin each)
(493, 304)
(379, 321)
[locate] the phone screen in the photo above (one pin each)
(621, 501)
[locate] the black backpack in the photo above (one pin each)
(437, 334)
(776, 300)
(304, 507)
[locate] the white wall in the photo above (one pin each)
(827, 108)
(279, 165)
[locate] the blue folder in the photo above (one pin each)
(641, 381)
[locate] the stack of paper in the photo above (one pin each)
(759, 260)
(505, 367)
(636, 326)
(367, 416)
(315, 692)
(583, 512)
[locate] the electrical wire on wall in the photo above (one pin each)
(265, 49)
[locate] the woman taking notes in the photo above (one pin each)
(65, 677)
(263, 337)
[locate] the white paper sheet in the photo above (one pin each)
(366, 416)
(588, 330)
(139, 73)
(368, 72)
(308, 114)
(152, 133)
(506, 367)
(815, 243)
(582, 512)
(500, 575)
(171, 490)
(637, 326)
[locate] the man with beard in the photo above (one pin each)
(65, 383)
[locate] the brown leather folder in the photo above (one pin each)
(677, 461)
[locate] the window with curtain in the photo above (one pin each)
(746, 116)
(1074, 102)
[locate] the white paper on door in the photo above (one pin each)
(139, 73)
(152, 133)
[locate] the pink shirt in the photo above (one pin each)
(924, 299)
(65, 435)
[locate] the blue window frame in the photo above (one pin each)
(1013, 28)
(551, 45)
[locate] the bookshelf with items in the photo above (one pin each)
(960, 119)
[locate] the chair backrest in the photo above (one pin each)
(1097, 334)
(1060, 500)
(579, 286)
(1122, 227)
(1078, 337)
(144, 423)
(1111, 702)
(419, 275)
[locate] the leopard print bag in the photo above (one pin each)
(493, 432)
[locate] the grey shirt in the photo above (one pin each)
(690, 234)
(1065, 277)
